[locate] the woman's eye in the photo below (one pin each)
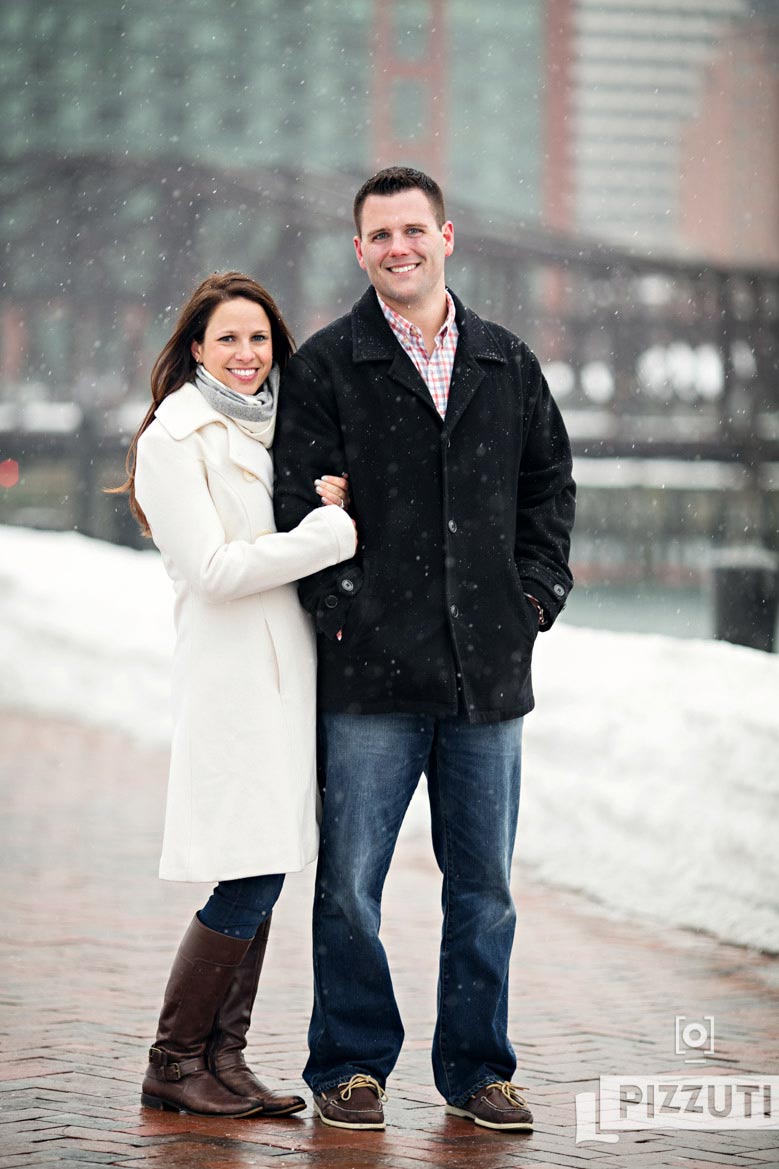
(260, 337)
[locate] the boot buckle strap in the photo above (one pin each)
(173, 1069)
(185, 1067)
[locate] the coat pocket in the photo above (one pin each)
(527, 611)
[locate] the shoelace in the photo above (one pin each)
(510, 1091)
(361, 1081)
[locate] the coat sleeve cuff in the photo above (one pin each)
(335, 601)
(342, 527)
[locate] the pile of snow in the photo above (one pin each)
(652, 778)
(86, 632)
(651, 766)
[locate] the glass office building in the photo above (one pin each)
(147, 143)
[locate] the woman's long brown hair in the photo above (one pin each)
(175, 365)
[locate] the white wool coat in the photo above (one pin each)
(242, 796)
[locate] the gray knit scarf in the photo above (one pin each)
(255, 414)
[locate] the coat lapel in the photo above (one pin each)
(186, 410)
(373, 340)
(476, 349)
(250, 455)
(406, 373)
(467, 376)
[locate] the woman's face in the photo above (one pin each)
(236, 347)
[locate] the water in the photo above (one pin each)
(644, 608)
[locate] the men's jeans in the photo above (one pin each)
(371, 765)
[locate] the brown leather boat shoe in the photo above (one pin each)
(497, 1106)
(356, 1104)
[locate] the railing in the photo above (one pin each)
(650, 357)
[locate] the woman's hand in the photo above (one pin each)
(334, 489)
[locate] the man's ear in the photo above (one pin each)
(448, 233)
(358, 250)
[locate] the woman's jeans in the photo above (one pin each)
(371, 765)
(238, 908)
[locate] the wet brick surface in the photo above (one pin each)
(87, 933)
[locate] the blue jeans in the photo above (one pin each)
(371, 765)
(238, 908)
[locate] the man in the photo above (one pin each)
(460, 475)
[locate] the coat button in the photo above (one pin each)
(452, 526)
(331, 602)
(454, 610)
(558, 590)
(347, 585)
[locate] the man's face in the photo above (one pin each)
(403, 249)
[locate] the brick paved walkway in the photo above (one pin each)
(86, 937)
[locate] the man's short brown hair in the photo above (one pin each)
(393, 179)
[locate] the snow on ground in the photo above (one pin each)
(651, 765)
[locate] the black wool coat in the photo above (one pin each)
(457, 517)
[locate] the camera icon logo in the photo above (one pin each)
(694, 1035)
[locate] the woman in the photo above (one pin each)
(242, 797)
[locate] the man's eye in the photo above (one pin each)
(380, 235)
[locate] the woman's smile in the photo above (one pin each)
(244, 374)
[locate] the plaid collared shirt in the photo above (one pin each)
(436, 370)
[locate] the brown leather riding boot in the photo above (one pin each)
(178, 1078)
(228, 1039)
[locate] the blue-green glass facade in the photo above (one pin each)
(125, 122)
(251, 83)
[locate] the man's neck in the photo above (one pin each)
(428, 317)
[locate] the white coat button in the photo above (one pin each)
(558, 590)
(452, 525)
(454, 610)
